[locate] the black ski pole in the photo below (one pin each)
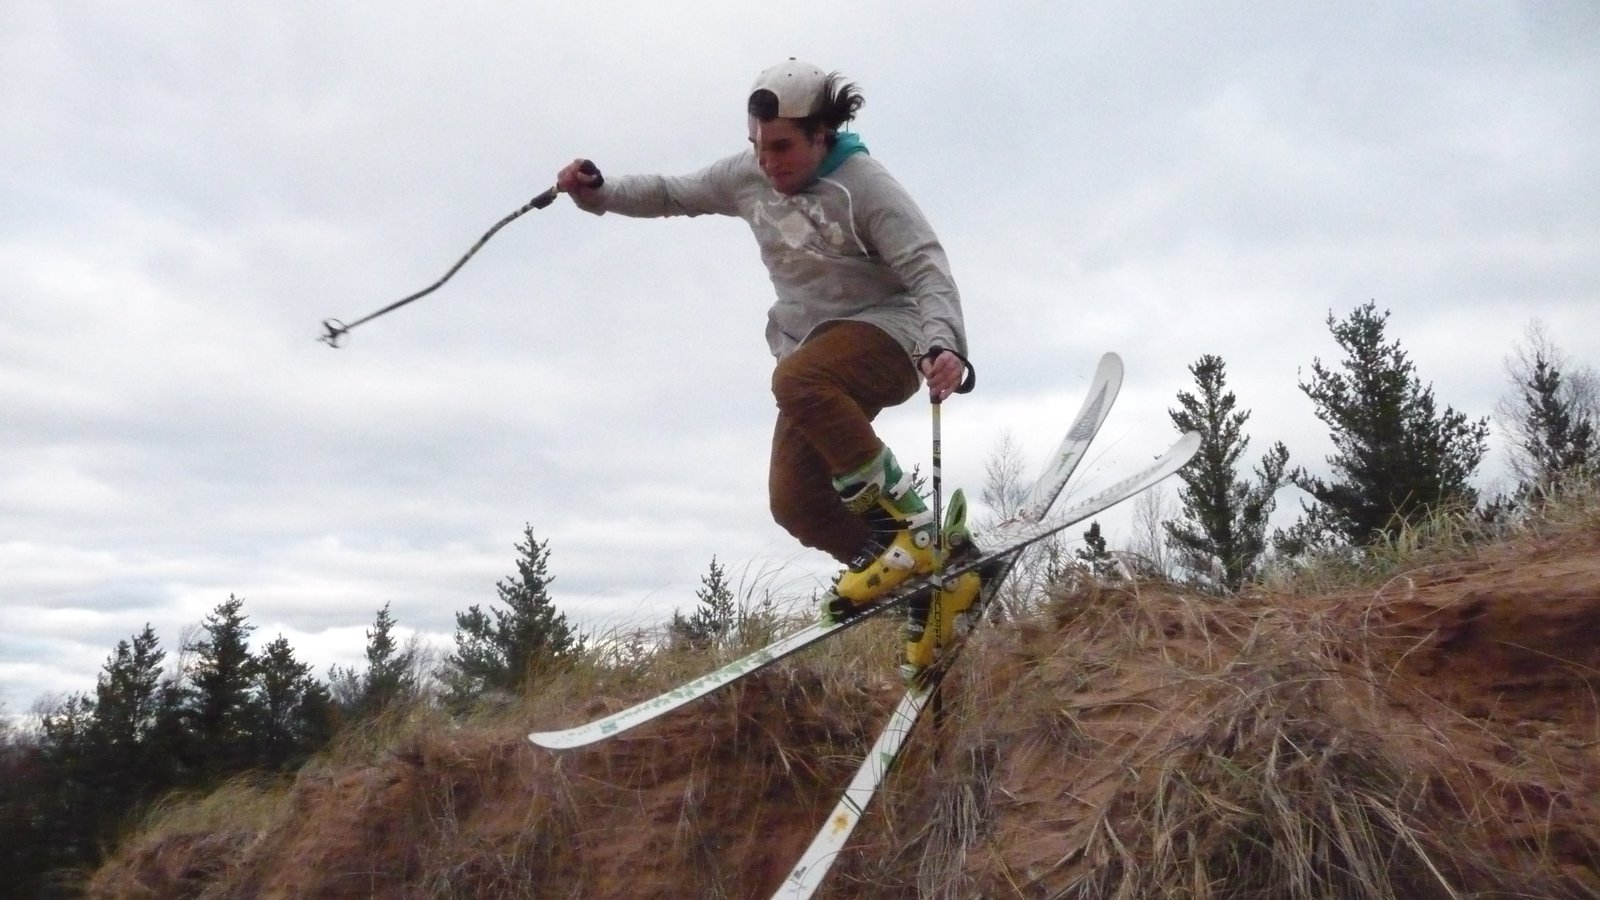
(336, 330)
(935, 620)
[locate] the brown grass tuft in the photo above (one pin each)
(1423, 722)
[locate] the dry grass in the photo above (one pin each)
(1304, 744)
(1420, 723)
(418, 803)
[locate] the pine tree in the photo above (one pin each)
(390, 670)
(122, 770)
(26, 850)
(714, 618)
(169, 745)
(292, 708)
(221, 705)
(390, 675)
(1397, 458)
(1567, 440)
(1224, 517)
(1094, 554)
(501, 649)
(1552, 415)
(68, 816)
(127, 697)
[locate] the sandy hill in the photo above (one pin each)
(1432, 732)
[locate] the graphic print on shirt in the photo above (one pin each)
(799, 224)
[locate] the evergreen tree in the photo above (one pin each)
(169, 746)
(26, 851)
(390, 675)
(1224, 523)
(1397, 457)
(1552, 415)
(1566, 438)
(66, 729)
(292, 708)
(100, 759)
(69, 817)
(715, 617)
(501, 649)
(1094, 554)
(119, 766)
(221, 705)
(110, 755)
(128, 695)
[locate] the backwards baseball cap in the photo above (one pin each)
(789, 90)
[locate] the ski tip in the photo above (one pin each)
(1187, 445)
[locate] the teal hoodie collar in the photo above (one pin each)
(848, 145)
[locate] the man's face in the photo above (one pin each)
(786, 156)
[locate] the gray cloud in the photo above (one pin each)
(184, 197)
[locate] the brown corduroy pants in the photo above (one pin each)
(828, 392)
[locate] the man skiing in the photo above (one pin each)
(865, 302)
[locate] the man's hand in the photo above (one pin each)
(943, 371)
(578, 178)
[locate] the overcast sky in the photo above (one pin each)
(188, 189)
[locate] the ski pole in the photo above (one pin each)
(936, 608)
(967, 383)
(936, 605)
(337, 329)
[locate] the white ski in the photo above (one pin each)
(814, 864)
(1097, 405)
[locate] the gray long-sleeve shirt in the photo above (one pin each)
(853, 245)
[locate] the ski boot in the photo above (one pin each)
(934, 618)
(950, 607)
(903, 536)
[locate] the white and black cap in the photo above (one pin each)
(789, 90)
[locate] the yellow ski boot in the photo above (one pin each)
(945, 617)
(936, 618)
(881, 490)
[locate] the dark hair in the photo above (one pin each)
(840, 101)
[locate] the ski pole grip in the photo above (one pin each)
(969, 379)
(587, 167)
